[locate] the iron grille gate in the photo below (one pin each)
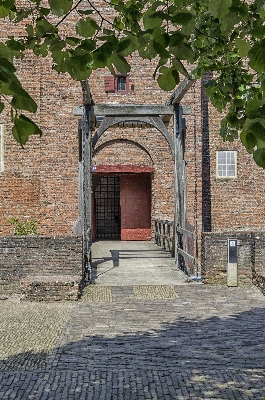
(107, 207)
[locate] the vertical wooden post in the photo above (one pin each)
(86, 181)
(177, 175)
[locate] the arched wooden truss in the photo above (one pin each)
(151, 115)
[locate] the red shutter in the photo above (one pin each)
(109, 82)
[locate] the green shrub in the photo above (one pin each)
(23, 227)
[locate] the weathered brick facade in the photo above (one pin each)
(40, 182)
(41, 258)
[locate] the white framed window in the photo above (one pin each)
(1, 148)
(226, 164)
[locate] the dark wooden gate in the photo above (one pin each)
(107, 208)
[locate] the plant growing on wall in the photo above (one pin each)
(184, 36)
(23, 227)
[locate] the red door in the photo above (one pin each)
(135, 200)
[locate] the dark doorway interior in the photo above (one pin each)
(107, 208)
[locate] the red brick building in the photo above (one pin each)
(213, 189)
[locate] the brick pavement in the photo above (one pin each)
(208, 343)
(121, 342)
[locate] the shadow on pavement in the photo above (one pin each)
(208, 357)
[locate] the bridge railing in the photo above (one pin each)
(164, 232)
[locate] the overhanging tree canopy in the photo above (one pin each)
(227, 38)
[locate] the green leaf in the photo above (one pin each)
(259, 31)
(102, 54)
(72, 40)
(228, 23)
(180, 67)
(219, 9)
(130, 46)
(44, 11)
(85, 12)
(243, 47)
(60, 7)
(80, 66)
(160, 49)
(23, 128)
(257, 56)
(60, 59)
(182, 18)
(259, 157)
(3, 12)
(16, 46)
(152, 19)
(248, 140)
(21, 99)
(20, 15)
(87, 45)
(43, 27)
(5, 53)
(30, 31)
(6, 66)
(176, 39)
(184, 52)
(119, 25)
(2, 106)
(146, 48)
(258, 130)
(87, 27)
(168, 78)
(161, 37)
(252, 108)
(120, 63)
(124, 45)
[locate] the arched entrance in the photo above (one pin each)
(121, 202)
(156, 116)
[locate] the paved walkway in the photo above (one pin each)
(126, 263)
(158, 341)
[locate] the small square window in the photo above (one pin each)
(117, 84)
(121, 83)
(226, 164)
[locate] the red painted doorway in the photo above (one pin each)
(122, 206)
(135, 200)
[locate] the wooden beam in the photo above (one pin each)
(187, 233)
(87, 97)
(132, 109)
(180, 91)
(186, 255)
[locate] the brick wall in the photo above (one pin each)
(21, 256)
(237, 203)
(41, 181)
(258, 254)
(251, 256)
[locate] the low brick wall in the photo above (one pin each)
(251, 256)
(214, 257)
(259, 257)
(23, 256)
(50, 288)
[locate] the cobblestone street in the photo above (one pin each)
(179, 341)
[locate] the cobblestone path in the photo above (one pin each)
(189, 341)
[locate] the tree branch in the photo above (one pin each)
(69, 12)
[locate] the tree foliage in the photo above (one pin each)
(186, 37)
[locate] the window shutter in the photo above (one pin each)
(109, 82)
